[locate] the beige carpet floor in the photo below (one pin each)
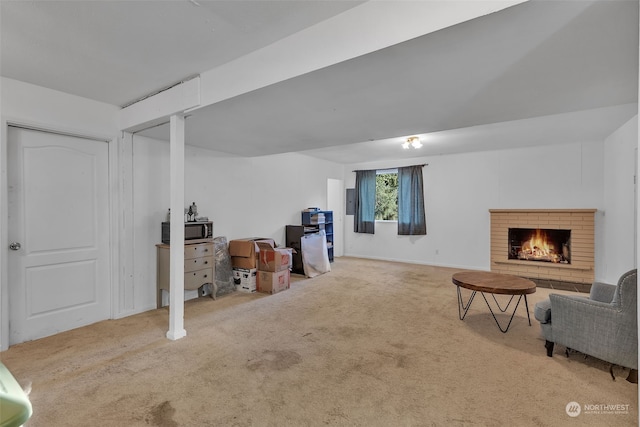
(369, 344)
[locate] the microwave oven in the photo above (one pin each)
(194, 232)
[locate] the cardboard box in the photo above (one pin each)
(245, 279)
(273, 282)
(244, 252)
(317, 218)
(273, 259)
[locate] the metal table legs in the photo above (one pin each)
(463, 308)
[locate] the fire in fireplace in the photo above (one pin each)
(545, 245)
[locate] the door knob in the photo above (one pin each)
(14, 246)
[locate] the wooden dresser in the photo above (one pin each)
(199, 268)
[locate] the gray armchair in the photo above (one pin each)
(604, 325)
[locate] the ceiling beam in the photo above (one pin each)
(371, 26)
(157, 109)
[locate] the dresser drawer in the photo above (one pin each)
(195, 279)
(197, 263)
(198, 250)
(199, 267)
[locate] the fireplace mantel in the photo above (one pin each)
(581, 222)
(578, 211)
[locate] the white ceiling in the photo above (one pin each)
(541, 72)
(119, 51)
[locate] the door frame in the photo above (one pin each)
(114, 203)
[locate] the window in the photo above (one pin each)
(391, 195)
(387, 195)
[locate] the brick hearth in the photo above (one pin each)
(579, 221)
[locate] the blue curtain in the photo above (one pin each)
(364, 220)
(411, 217)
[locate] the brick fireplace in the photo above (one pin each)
(576, 268)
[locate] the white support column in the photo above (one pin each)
(176, 269)
(124, 292)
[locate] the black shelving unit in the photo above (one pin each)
(312, 222)
(294, 234)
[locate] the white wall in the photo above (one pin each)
(460, 189)
(244, 197)
(619, 200)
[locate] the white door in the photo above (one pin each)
(58, 232)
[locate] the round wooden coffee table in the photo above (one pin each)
(493, 283)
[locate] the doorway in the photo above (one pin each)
(59, 233)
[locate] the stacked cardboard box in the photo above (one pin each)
(245, 279)
(273, 268)
(244, 261)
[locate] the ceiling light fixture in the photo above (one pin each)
(412, 141)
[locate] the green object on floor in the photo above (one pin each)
(15, 407)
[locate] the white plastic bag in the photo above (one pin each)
(314, 254)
